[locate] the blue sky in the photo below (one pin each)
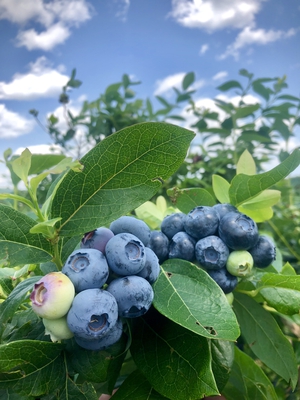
(155, 41)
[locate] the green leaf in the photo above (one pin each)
(263, 335)
(73, 391)
(262, 90)
(245, 187)
(281, 292)
(245, 111)
(187, 199)
(221, 188)
(188, 296)
(258, 215)
(31, 367)
(46, 227)
(230, 85)
(98, 366)
(222, 353)
(247, 380)
(165, 353)
(137, 387)
(188, 79)
(18, 198)
(246, 164)
(17, 245)
(245, 73)
(15, 299)
(21, 165)
(265, 199)
(120, 173)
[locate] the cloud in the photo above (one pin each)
(41, 149)
(41, 81)
(250, 35)
(12, 124)
(204, 48)
(123, 7)
(165, 86)
(220, 75)
(56, 18)
(212, 15)
(45, 40)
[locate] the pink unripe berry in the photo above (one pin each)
(52, 295)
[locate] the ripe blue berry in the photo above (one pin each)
(151, 269)
(129, 224)
(94, 312)
(172, 224)
(103, 342)
(182, 246)
(96, 239)
(224, 279)
(238, 231)
(87, 269)
(202, 221)
(264, 252)
(159, 243)
(133, 294)
(211, 252)
(125, 254)
(223, 208)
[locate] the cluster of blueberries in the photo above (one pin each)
(112, 273)
(219, 239)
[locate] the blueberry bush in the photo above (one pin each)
(105, 283)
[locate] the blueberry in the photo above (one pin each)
(264, 252)
(182, 246)
(211, 252)
(159, 243)
(134, 295)
(125, 254)
(96, 239)
(224, 279)
(151, 269)
(87, 269)
(172, 224)
(238, 231)
(103, 342)
(129, 224)
(202, 221)
(223, 208)
(94, 312)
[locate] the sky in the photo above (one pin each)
(153, 41)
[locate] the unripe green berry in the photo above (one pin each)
(230, 298)
(240, 263)
(57, 329)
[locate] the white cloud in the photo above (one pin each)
(41, 149)
(40, 81)
(45, 40)
(165, 86)
(249, 35)
(204, 48)
(211, 15)
(123, 7)
(56, 18)
(13, 124)
(220, 75)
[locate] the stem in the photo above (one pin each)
(283, 239)
(15, 200)
(56, 256)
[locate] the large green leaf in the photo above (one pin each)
(17, 245)
(267, 341)
(222, 353)
(281, 292)
(247, 380)
(221, 188)
(188, 296)
(187, 199)
(136, 387)
(31, 367)
(73, 391)
(176, 361)
(120, 173)
(244, 187)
